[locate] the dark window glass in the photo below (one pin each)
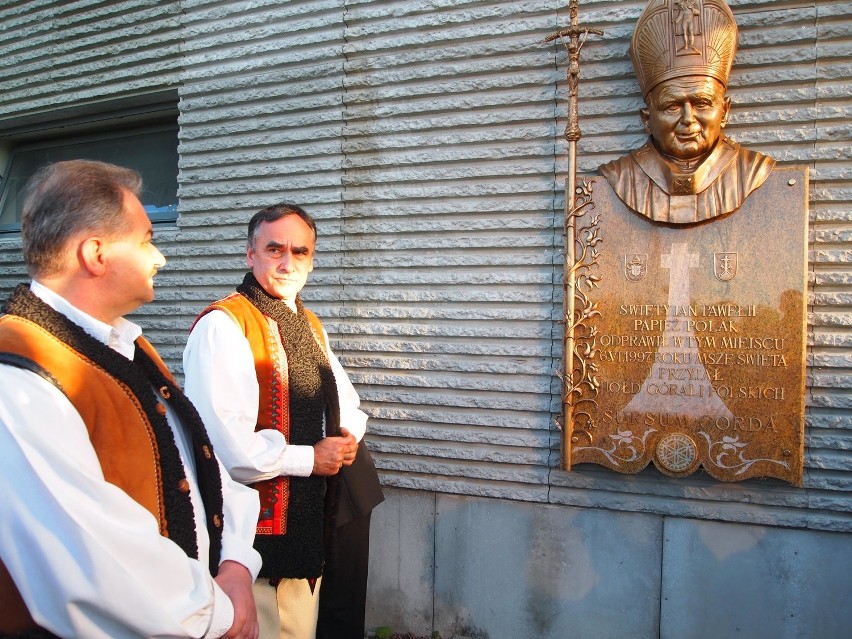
(150, 150)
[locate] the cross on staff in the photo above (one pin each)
(572, 38)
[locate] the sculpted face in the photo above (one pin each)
(282, 256)
(685, 116)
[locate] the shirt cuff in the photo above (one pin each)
(298, 461)
(223, 614)
(250, 558)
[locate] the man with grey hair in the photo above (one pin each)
(286, 419)
(118, 520)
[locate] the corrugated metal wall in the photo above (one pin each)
(426, 137)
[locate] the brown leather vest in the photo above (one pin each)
(119, 430)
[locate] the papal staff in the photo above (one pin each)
(573, 38)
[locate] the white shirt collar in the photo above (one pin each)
(119, 336)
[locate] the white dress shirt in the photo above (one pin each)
(222, 382)
(88, 560)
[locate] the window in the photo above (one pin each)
(143, 140)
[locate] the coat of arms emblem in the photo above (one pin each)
(635, 266)
(725, 266)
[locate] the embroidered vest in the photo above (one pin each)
(125, 428)
(290, 530)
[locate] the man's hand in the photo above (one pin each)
(332, 453)
(235, 580)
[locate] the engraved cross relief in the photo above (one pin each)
(678, 360)
(683, 185)
(725, 266)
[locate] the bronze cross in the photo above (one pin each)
(573, 38)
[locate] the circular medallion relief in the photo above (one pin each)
(676, 454)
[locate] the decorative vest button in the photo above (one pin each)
(164, 392)
(161, 409)
(206, 450)
(217, 521)
(183, 486)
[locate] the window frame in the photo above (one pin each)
(96, 122)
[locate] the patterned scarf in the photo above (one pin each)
(313, 402)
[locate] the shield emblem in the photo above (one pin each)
(635, 266)
(725, 266)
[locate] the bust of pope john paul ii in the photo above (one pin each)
(688, 171)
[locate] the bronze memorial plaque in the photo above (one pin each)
(695, 337)
(685, 273)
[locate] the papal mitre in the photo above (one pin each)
(676, 38)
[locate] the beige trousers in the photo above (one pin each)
(289, 611)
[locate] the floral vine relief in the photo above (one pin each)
(729, 453)
(581, 384)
